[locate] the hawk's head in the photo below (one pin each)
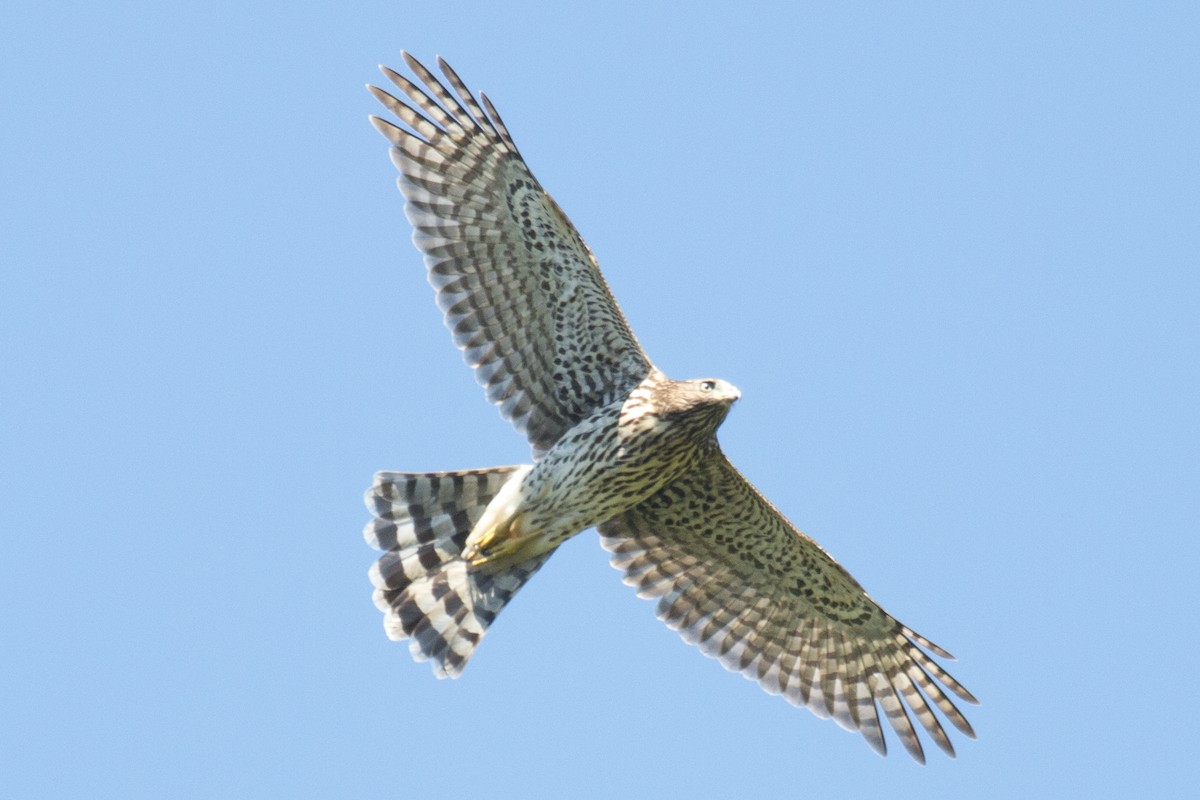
(700, 405)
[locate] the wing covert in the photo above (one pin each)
(734, 577)
(520, 290)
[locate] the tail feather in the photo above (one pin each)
(426, 591)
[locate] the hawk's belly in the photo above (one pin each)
(608, 463)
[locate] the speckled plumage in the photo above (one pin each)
(617, 445)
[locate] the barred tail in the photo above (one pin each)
(425, 589)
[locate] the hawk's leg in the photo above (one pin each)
(498, 546)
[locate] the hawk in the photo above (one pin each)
(617, 445)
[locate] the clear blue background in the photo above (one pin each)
(948, 252)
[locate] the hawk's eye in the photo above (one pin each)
(708, 386)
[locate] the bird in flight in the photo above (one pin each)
(617, 445)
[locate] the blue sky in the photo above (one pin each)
(947, 251)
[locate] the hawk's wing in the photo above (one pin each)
(739, 580)
(520, 289)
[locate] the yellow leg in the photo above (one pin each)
(499, 546)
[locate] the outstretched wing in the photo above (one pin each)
(520, 289)
(741, 582)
